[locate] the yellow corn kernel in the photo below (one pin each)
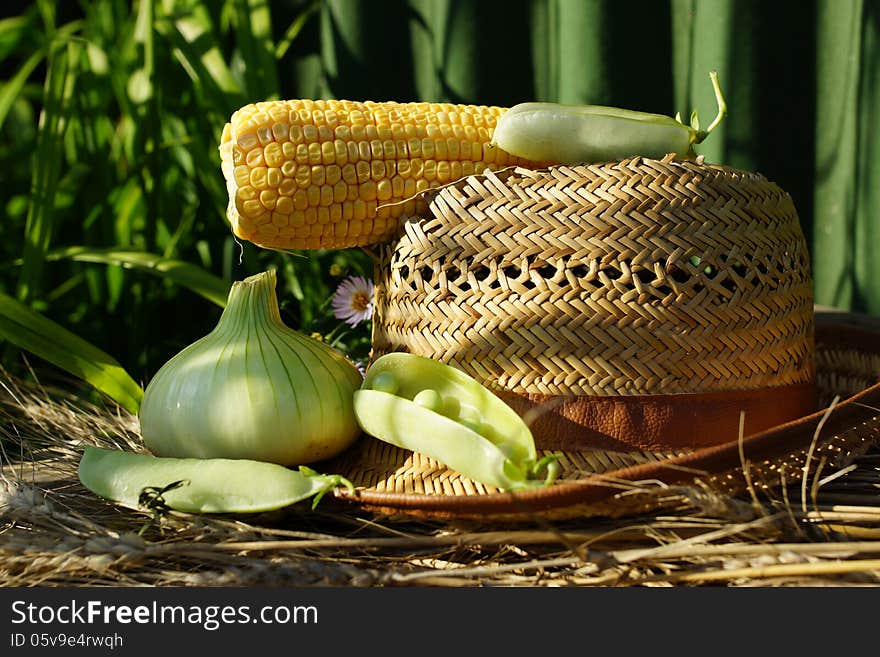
(333, 174)
(349, 174)
(326, 196)
(284, 205)
(444, 172)
(314, 196)
(241, 175)
(409, 188)
(302, 153)
(258, 177)
(287, 187)
(254, 158)
(340, 192)
(288, 169)
(247, 192)
(363, 171)
(368, 191)
(300, 200)
(315, 156)
(268, 198)
(430, 171)
(273, 155)
(383, 190)
(339, 173)
(397, 187)
(303, 176)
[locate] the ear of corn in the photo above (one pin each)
(310, 174)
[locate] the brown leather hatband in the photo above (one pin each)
(658, 422)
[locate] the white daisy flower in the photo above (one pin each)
(353, 300)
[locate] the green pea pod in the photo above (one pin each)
(572, 134)
(436, 410)
(199, 485)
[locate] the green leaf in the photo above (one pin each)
(190, 276)
(11, 90)
(40, 225)
(44, 338)
(196, 48)
(295, 28)
(254, 34)
(140, 86)
(12, 31)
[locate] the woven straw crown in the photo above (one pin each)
(628, 278)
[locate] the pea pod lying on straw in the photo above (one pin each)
(200, 485)
(436, 410)
(572, 134)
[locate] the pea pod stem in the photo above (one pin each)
(548, 463)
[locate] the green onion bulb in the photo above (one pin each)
(253, 388)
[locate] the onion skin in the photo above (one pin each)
(253, 388)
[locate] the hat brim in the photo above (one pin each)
(394, 481)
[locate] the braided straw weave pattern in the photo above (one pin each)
(626, 278)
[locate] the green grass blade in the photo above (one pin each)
(140, 85)
(196, 48)
(44, 338)
(39, 227)
(11, 90)
(12, 32)
(295, 28)
(257, 48)
(182, 273)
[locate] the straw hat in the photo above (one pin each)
(653, 322)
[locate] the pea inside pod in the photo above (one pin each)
(572, 134)
(434, 409)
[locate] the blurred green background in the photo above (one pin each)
(113, 204)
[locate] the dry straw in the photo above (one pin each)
(55, 533)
